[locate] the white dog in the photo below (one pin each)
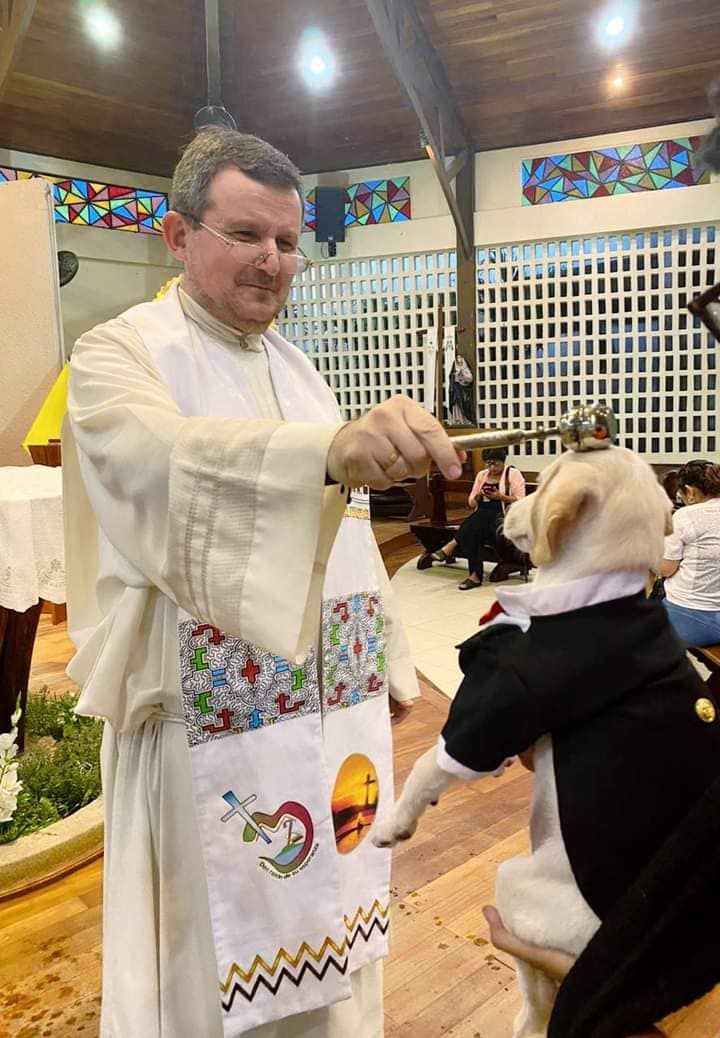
(600, 686)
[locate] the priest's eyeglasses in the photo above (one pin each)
(255, 255)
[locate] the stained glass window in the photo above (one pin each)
(310, 211)
(93, 204)
(613, 171)
(372, 202)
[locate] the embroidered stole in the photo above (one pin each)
(290, 764)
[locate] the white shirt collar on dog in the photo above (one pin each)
(522, 602)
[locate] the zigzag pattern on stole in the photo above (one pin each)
(378, 919)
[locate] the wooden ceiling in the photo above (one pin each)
(528, 71)
(523, 71)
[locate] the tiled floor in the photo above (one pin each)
(438, 617)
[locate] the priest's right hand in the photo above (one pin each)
(393, 441)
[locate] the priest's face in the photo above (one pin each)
(246, 284)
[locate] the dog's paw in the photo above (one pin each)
(388, 832)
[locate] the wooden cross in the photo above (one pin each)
(369, 781)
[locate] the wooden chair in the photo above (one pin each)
(49, 454)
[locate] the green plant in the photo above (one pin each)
(50, 715)
(31, 815)
(61, 778)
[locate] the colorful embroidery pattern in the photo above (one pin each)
(613, 171)
(293, 968)
(358, 506)
(92, 204)
(353, 650)
(373, 202)
(229, 686)
(355, 512)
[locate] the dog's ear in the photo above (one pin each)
(567, 498)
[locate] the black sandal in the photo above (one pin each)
(468, 584)
(440, 556)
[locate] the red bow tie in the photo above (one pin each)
(495, 610)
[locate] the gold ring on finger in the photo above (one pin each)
(390, 461)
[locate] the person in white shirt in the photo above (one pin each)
(692, 556)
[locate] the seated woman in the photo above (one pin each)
(494, 490)
(692, 556)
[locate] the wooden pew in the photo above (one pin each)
(438, 530)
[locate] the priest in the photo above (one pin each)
(235, 628)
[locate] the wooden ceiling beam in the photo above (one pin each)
(423, 78)
(447, 143)
(15, 17)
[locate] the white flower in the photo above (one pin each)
(16, 716)
(9, 789)
(9, 781)
(8, 806)
(7, 743)
(10, 786)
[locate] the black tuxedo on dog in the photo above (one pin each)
(635, 734)
(626, 736)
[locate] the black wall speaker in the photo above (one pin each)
(330, 214)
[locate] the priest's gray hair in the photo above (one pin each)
(216, 148)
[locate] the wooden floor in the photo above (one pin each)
(443, 977)
(53, 651)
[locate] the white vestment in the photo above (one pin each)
(136, 471)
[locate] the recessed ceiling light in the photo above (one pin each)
(618, 80)
(317, 60)
(616, 23)
(102, 26)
